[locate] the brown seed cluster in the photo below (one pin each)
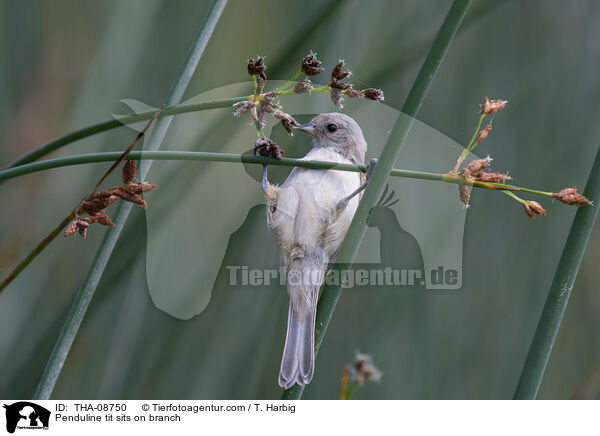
(260, 104)
(373, 94)
(464, 194)
(484, 133)
(572, 197)
(257, 67)
(533, 209)
(364, 370)
(311, 66)
(268, 148)
(95, 205)
(475, 170)
(286, 120)
(492, 106)
(303, 86)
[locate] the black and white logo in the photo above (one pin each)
(26, 415)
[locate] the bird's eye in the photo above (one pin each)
(331, 127)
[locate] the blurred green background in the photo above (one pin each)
(66, 64)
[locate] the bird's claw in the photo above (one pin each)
(370, 168)
(344, 201)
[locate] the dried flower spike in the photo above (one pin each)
(484, 133)
(373, 94)
(97, 205)
(311, 65)
(287, 121)
(572, 197)
(336, 97)
(464, 193)
(352, 93)
(479, 164)
(482, 176)
(492, 106)
(268, 148)
(126, 195)
(303, 86)
(71, 229)
(365, 370)
(243, 107)
(533, 208)
(102, 219)
(338, 72)
(129, 171)
(340, 85)
(257, 67)
(140, 188)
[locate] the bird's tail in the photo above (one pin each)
(298, 361)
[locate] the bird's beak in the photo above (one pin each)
(308, 127)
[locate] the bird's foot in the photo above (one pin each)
(343, 203)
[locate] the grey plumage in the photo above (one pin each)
(309, 222)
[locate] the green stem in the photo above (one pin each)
(103, 126)
(560, 290)
(154, 140)
(319, 89)
(249, 159)
(289, 82)
(351, 390)
(54, 233)
(519, 199)
(358, 227)
(467, 150)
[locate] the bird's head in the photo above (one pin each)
(340, 132)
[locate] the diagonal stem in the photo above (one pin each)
(88, 288)
(560, 290)
(54, 233)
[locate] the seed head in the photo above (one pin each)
(303, 86)
(102, 219)
(129, 171)
(336, 97)
(287, 121)
(479, 164)
(482, 176)
(311, 65)
(365, 370)
(126, 195)
(492, 106)
(373, 94)
(82, 227)
(268, 102)
(257, 67)
(340, 85)
(268, 148)
(242, 107)
(484, 133)
(71, 229)
(338, 72)
(352, 93)
(140, 188)
(464, 193)
(96, 205)
(533, 208)
(572, 197)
